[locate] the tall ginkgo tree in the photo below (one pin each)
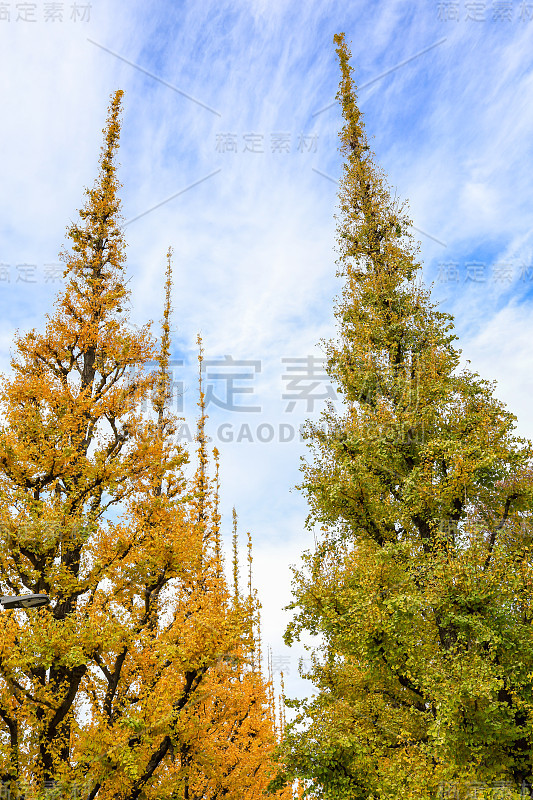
(141, 630)
(421, 583)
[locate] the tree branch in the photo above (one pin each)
(498, 527)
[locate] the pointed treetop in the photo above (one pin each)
(282, 719)
(250, 559)
(373, 225)
(100, 241)
(250, 596)
(200, 434)
(201, 478)
(163, 386)
(355, 135)
(112, 133)
(259, 647)
(216, 518)
(270, 687)
(235, 558)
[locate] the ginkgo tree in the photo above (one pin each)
(421, 583)
(141, 631)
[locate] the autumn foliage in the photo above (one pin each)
(142, 634)
(421, 583)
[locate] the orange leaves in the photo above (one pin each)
(142, 652)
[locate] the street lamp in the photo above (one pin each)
(24, 600)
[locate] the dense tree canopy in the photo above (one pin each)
(142, 631)
(421, 584)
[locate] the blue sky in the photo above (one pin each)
(224, 113)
